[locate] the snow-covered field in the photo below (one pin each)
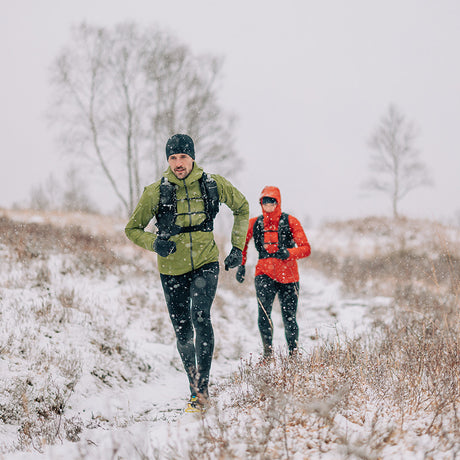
(89, 367)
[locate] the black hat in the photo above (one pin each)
(180, 143)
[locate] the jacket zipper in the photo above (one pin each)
(190, 223)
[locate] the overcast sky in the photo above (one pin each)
(308, 81)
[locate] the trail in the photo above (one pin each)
(147, 419)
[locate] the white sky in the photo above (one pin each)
(307, 80)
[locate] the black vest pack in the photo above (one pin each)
(285, 238)
(167, 208)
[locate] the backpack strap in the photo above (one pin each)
(285, 238)
(210, 195)
(167, 208)
(258, 234)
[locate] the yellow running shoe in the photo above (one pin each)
(194, 406)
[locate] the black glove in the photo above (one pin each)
(164, 247)
(234, 258)
(282, 254)
(240, 273)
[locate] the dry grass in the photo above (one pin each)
(45, 272)
(357, 397)
(39, 412)
(38, 240)
(352, 398)
(382, 255)
(402, 376)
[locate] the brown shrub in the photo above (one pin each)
(38, 240)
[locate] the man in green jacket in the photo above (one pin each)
(184, 203)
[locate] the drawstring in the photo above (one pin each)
(266, 314)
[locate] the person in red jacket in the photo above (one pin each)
(280, 240)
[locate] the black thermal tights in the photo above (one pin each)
(189, 298)
(288, 295)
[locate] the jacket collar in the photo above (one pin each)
(194, 175)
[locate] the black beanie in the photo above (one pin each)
(180, 143)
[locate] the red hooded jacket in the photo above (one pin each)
(283, 271)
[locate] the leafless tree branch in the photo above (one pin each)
(395, 166)
(121, 92)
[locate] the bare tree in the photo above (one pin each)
(45, 196)
(52, 196)
(75, 196)
(395, 165)
(121, 92)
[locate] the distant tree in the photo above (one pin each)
(457, 218)
(75, 195)
(39, 199)
(45, 196)
(120, 92)
(52, 196)
(395, 165)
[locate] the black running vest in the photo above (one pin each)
(167, 208)
(285, 238)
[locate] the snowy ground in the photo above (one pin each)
(113, 339)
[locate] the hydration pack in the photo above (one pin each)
(285, 238)
(167, 208)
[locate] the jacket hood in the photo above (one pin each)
(272, 192)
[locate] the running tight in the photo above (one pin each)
(189, 298)
(288, 295)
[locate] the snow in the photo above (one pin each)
(107, 336)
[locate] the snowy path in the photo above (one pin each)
(145, 417)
